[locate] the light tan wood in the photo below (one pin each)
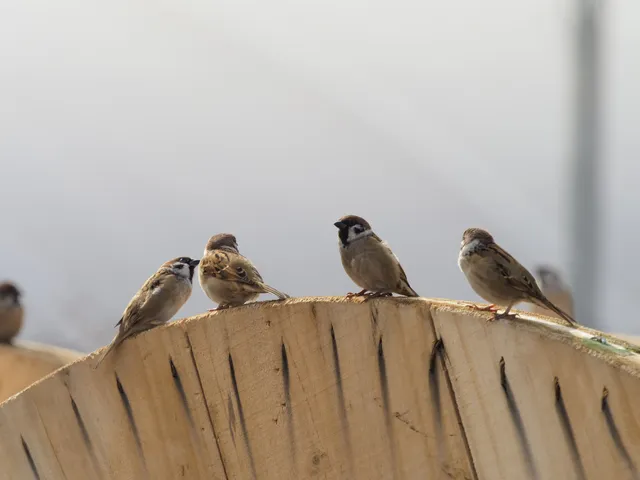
(633, 339)
(338, 389)
(23, 363)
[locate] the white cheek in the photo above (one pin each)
(470, 247)
(182, 271)
(353, 235)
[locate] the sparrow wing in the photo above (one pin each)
(133, 308)
(404, 284)
(515, 273)
(230, 267)
(520, 279)
(143, 310)
(404, 287)
(148, 303)
(233, 267)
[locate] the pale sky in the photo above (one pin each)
(132, 131)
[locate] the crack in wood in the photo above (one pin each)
(615, 433)
(32, 463)
(286, 384)
(342, 408)
(516, 417)
(452, 395)
(132, 423)
(243, 424)
(567, 429)
(206, 405)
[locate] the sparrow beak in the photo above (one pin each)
(340, 225)
(194, 263)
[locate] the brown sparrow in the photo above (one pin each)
(228, 278)
(498, 277)
(555, 290)
(11, 312)
(159, 299)
(369, 261)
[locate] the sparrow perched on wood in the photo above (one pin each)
(555, 290)
(159, 299)
(11, 312)
(369, 261)
(228, 278)
(498, 277)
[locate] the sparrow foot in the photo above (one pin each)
(359, 294)
(503, 315)
(221, 307)
(380, 294)
(488, 308)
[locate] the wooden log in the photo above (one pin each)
(335, 388)
(23, 363)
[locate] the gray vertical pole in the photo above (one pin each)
(585, 236)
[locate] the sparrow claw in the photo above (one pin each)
(359, 294)
(504, 315)
(488, 308)
(380, 294)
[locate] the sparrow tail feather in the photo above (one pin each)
(277, 293)
(116, 341)
(105, 353)
(407, 291)
(544, 302)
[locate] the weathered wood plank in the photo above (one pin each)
(338, 389)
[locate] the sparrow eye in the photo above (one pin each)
(240, 271)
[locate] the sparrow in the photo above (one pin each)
(498, 277)
(11, 312)
(228, 278)
(369, 261)
(157, 301)
(555, 290)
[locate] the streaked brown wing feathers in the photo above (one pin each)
(231, 267)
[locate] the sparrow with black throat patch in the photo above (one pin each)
(11, 312)
(369, 261)
(157, 301)
(499, 278)
(229, 278)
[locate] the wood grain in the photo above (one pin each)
(337, 389)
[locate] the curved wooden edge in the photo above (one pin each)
(632, 340)
(336, 388)
(614, 349)
(23, 363)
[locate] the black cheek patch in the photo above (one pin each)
(343, 234)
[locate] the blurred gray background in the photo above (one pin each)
(132, 131)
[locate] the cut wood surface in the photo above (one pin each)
(23, 363)
(338, 389)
